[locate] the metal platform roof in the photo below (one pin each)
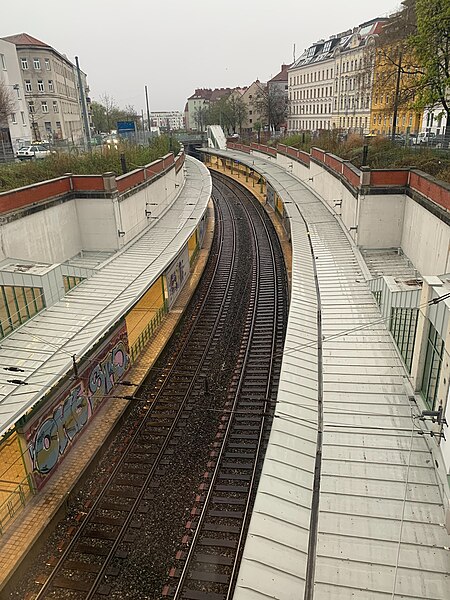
(380, 510)
(43, 346)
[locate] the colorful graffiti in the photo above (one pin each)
(50, 435)
(176, 275)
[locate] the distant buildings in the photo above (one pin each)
(252, 113)
(330, 85)
(167, 120)
(50, 85)
(197, 104)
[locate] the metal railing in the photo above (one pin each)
(147, 333)
(19, 495)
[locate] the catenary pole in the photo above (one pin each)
(87, 131)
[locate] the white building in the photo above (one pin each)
(330, 84)
(434, 120)
(17, 132)
(51, 90)
(167, 119)
(310, 81)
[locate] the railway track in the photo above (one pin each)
(113, 521)
(209, 558)
(233, 292)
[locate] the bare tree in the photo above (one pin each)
(237, 112)
(398, 70)
(200, 117)
(6, 103)
(110, 106)
(272, 104)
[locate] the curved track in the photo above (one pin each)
(208, 567)
(243, 283)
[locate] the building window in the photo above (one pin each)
(432, 367)
(70, 282)
(31, 106)
(3, 61)
(47, 64)
(24, 63)
(37, 64)
(44, 106)
(403, 325)
(41, 87)
(13, 118)
(55, 106)
(24, 123)
(28, 86)
(17, 305)
(50, 86)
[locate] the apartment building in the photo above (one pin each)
(169, 120)
(51, 90)
(198, 103)
(250, 97)
(354, 69)
(310, 87)
(16, 131)
(330, 84)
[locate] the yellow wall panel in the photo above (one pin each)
(192, 244)
(144, 311)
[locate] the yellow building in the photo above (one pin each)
(386, 74)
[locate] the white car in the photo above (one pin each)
(426, 137)
(35, 151)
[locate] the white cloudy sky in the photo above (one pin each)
(175, 46)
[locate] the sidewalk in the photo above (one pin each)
(48, 506)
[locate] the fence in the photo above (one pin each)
(147, 333)
(17, 495)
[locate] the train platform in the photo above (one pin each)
(20, 538)
(352, 499)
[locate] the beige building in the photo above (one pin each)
(250, 97)
(354, 70)
(198, 104)
(330, 84)
(51, 90)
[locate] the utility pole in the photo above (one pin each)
(148, 109)
(87, 131)
(397, 94)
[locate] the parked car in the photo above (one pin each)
(412, 139)
(35, 151)
(399, 139)
(426, 138)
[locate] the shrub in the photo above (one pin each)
(100, 160)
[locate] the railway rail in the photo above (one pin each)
(208, 562)
(89, 564)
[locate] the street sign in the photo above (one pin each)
(124, 126)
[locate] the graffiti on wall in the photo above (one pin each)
(52, 433)
(176, 275)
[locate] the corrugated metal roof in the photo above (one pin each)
(380, 521)
(43, 346)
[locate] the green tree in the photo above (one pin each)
(99, 117)
(431, 45)
(257, 127)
